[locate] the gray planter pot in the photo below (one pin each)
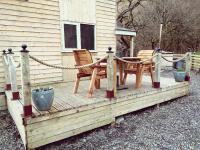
(43, 98)
(179, 76)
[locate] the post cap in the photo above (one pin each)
(109, 50)
(4, 52)
(158, 50)
(10, 51)
(189, 50)
(24, 48)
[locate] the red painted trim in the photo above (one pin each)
(156, 85)
(27, 111)
(8, 87)
(187, 78)
(15, 95)
(110, 94)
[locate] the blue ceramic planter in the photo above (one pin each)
(179, 76)
(43, 98)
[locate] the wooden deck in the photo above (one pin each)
(74, 114)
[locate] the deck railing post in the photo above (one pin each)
(156, 83)
(110, 93)
(13, 75)
(26, 86)
(188, 66)
(6, 71)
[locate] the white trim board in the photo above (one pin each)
(130, 33)
(78, 32)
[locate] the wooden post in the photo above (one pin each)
(13, 76)
(26, 86)
(115, 77)
(6, 71)
(110, 93)
(156, 83)
(160, 37)
(188, 66)
(132, 46)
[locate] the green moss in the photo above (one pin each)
(180, 70)
(197, 53)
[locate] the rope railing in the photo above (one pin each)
(67, 68)
(135, 62)
(10, 68)
(177, 60)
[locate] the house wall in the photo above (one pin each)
(105, 33)
(35, 23)
(106, 22)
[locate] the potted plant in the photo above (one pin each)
(179, 75)
(43, 98)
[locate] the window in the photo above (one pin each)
(87, 36)
(78, 36)
(70, 36)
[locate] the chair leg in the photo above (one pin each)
(137, 83)
(139, 78)
(76, 85)
(92, 82)
(97, 83)
(124, 79)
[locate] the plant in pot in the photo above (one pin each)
(179, 75)
(43, 98)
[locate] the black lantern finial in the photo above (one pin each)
(24, 48)
(10, 51)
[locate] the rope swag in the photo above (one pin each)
(173, 61)
(135, 62)
(100, 60)
(64, 67)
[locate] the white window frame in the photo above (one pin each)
(78, 33)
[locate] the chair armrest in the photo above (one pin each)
(99, 66)
(103, 61)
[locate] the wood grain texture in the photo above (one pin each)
(72, 114)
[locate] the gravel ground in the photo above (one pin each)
(175, 125)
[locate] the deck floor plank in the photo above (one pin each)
(34, 109)
(66, 100)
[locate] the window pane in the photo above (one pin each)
(87, 37)
(70, 36)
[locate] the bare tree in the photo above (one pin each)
(180, 19)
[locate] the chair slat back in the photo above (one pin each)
(83, 57)
(145, 54)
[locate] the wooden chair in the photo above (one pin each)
(96, 72)
(141, 68)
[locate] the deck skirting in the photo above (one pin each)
(3, 105)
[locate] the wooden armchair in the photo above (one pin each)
(140, 68)
(96, 72)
